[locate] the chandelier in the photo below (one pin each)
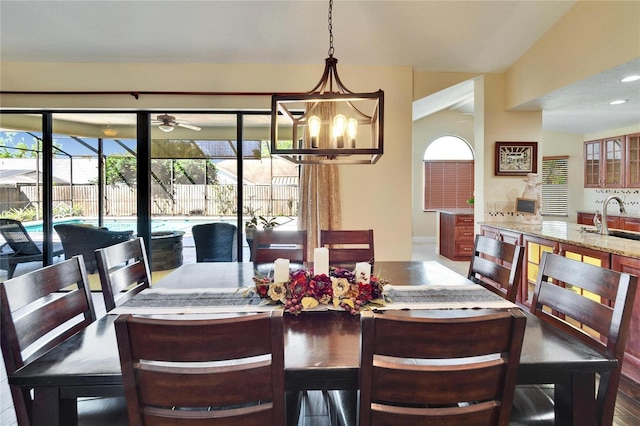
(329, 124)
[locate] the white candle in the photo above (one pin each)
(363, 272)
(321, 261)
(281, 271)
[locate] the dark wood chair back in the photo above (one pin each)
(348, 246)
(242, 382)
(124, 271)
(427, 373)
(497, 266)
(273, 244)
(215, 242)
(592, 303)
(24, 249)
(35, 316)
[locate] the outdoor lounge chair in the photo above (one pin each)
(86, 239)
(23, 248)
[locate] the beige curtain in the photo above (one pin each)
(319, 204)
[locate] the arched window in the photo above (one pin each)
(448, 173)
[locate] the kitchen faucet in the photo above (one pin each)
(604, 229)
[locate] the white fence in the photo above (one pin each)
(179, 200)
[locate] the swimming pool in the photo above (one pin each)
(126, 224)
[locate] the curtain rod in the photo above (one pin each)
(137, 94)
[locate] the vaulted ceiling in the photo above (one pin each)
(442, 36)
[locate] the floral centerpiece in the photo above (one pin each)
(342, 289)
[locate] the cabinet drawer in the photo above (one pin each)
(630, 223)
(464, 249)
(464, 220)
(464, 233)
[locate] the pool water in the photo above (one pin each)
(157, 225)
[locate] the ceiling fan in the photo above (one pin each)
(166, 123)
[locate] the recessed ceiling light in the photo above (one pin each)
(618, 101)
(630, 78)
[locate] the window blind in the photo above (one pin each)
(555, 186)
(447, 184)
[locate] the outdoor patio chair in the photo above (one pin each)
(86, 239)
(216, 242)
(23, 248)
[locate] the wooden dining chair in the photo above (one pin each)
(39, 310)
(124, 271)
(220, 372)
(444, 371)
(348, 246)
(273, 244)
(497, 266)
(591, 303)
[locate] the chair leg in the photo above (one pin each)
(344, 403)
(11, 270)
(293, 406)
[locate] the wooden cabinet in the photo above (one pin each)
(533, 249)
(631, 365)
(456, 236)
(612, 162)
(613, 222)
(630, 223)
(633, 161)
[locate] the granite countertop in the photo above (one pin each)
(563, 232)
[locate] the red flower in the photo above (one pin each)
(364, 292)
(298, 285)
(320, 285)
(377, 290)
(262, 290)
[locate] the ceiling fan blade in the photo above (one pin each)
(189, 126)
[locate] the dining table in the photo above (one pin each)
(321, 348)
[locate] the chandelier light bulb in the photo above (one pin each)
(352, 131)
(339, 126)
(314, 130)
(165, 128)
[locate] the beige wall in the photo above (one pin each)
(592, 37)
(377, 197)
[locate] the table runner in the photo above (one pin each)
(216, 300)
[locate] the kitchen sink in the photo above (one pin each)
(627, 235)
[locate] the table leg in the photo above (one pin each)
(51, 410)
(46, 406)
(293, 404)
(575, 401)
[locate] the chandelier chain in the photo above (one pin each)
(330, 28)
